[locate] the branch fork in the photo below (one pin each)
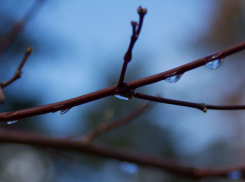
(124, 91)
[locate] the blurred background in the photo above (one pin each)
(79, 48)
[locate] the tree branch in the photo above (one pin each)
(134, 37)
(18, 71)
(58, 106)
(126, 88)
(104, 127)
(201, 106)
(118, 154)
(16, 75)
(187, 67)
(6, 41)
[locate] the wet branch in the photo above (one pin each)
(7, 40)
(161, 163)
(125, 89)
(104, 127)
(201, 106)
(21, 114)
(187, 67)
(134, 37)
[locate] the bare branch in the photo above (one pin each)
(118, 154)
(126, 88)
(6, 41)
(106, 127)
(18, 71)
(134, 37)
(187, 67)
(58, 106)
(203, 107)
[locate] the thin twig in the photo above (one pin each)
(18, 71)
(134, 37)
(170, 101)
(106, 127)
(7, 40)
(167, 165)
(202, 106)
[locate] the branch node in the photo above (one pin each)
(123, 92)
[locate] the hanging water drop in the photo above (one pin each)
(235, 175)
(215, 63)
(121, 97)
(63, 111)
(124, 94)
(12, 122)
(173, 79)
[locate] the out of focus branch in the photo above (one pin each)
(118, 154)
(17, 74)
(7, 40)
(104, 127)
(18, 71)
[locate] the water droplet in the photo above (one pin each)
(125, 95)
(215, 63)
(173, 78)
(121, 97)
(204, 109)
(12, 122)
(63, 111)
(130, 168)
(235, 175)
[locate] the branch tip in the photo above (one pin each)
(134, 23)
(29, 50)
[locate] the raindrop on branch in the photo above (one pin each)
(126, 95)
(121, 97)
(173, 79)
(63, 111)
(215, 63)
